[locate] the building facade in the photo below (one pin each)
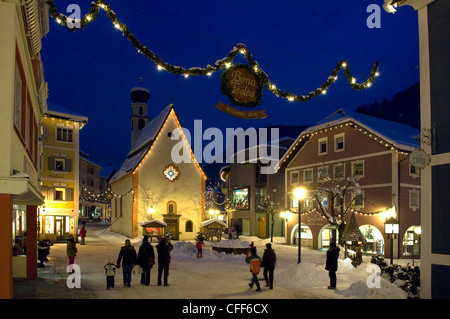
(351, 163)
(93, 197)
(434, 48)
(23, 97)
(151, 185)
(60, 181)
(248, 191)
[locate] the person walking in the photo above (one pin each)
(268, 262)
(199, 247)
(110, 271)
(71, 250)
(146, 259)
(332, 264)
(164, 247)
(83, 232)
(128, 257)
(255, 263)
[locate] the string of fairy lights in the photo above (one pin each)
(219, 65)
(87, 195)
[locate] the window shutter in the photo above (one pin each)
(68, 164)
(44, 191)
(69, 194)
(50, 192)
(51, 163)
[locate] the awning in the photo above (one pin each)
(23, 191)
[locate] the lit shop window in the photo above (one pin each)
(240, 198)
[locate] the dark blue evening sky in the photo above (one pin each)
(297, 43)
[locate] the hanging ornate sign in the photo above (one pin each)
(419, 158)
(244, 87)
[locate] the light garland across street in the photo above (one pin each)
(224, 63)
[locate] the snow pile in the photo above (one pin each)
(186, 250)
(305, 274)
(231, 244)
(361, 289)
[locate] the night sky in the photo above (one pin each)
(297, 43)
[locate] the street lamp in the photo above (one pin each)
(391, 229)
(299, 194)
(151, 210)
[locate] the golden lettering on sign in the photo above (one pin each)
(242, 86)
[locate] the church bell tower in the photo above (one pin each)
(139, 118)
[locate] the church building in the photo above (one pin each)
(151, 188)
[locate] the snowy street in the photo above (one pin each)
(215, 276)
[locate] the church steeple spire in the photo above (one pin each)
(139, 118)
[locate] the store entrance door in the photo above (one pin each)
(59, 227)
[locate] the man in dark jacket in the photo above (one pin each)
(164, 247)
(146, 259)
(129, 257)
(268, 262)
(332, 264)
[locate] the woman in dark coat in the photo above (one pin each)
(268, 262)
(332, 264)
(129, 257)
(146, 259)
(164, 247)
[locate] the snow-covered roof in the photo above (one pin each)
(153, 221)
(142, 144)
(402, 136)
(151, 130)
(62, 112)
(212, 221)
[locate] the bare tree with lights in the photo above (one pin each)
(271, 205)
(336, 191)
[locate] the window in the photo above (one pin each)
(322, 173)
(294, 178)
(358, 200)
(324, 200)
(60, 164)
(62, 194)
(141, 124)
(339, 142)
(338, 201)
(18, 99)
(59, 194)
(308, 175)
(339, 171)
(414, 199)
(64, 134)
(358, 169)
(189, 227)
(294, 203)
(240, 198)
(323, 146)
(413, 171)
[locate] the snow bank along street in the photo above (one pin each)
(215, 276)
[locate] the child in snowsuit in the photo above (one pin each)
(199, 247)
(255, 264)
(110, 270)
